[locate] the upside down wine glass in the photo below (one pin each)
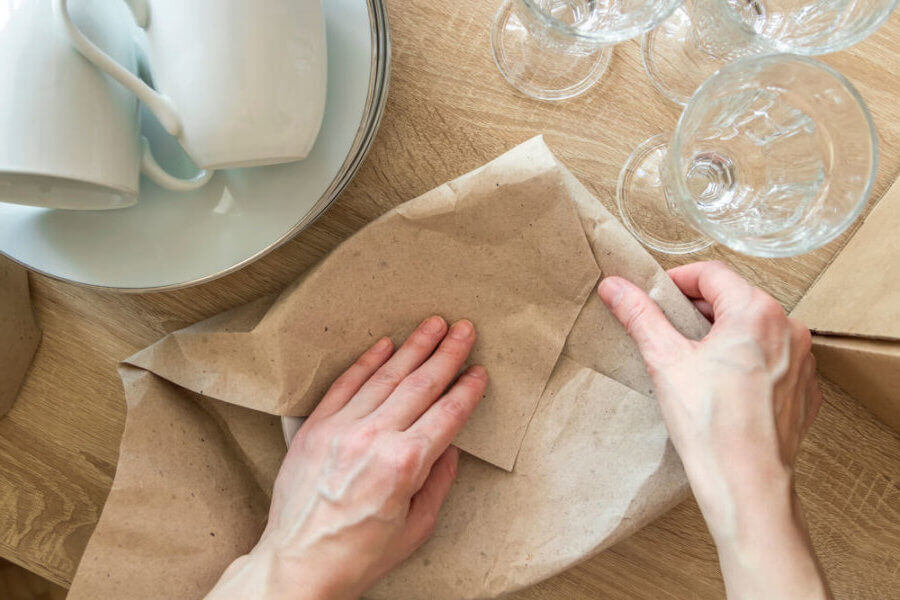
(703, 35)
(773, 156)
(557, 49)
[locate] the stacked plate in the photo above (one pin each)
(172, 240)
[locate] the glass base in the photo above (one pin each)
(672, 59)
(538, 63)
(644, 208)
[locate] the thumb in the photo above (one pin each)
(654, 335)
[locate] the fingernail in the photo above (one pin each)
(477, 372)
(611, 290)
(382, 345)
(432, 325)
(461, 330)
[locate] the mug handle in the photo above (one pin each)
(160, 177)
(159, 104)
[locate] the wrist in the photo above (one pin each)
(263, 575)
(755, 519)
(738, 489)
(768, 552)
(748, 513)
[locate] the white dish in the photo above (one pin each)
(171, 240)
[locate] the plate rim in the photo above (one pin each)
(376, 101)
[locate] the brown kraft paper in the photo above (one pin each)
(575, 454)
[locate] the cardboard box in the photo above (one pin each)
(854, 308)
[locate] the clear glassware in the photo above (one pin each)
(557, 49)
(704, 34)
(773, 156)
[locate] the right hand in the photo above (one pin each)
(737, 404)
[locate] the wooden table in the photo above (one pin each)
(450, 111)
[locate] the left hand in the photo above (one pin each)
(365, 476)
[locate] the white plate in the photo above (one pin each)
(171, 240)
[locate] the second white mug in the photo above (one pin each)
(70, 135)
(238, 83)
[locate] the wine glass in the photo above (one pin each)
(773, 155)
(704, 34)
(557, 49)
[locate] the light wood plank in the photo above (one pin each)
(450, 111)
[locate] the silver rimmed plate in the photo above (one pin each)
(172, 240)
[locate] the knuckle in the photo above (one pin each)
(368, 360)
(650, 346)
(362, 437)
(421, 383)
(385, 378)
(350, 445)
(407, 459)
(634, 315)
(343, 383)
(764, 308)
(424, 340)
(453, 348)
(456, 406)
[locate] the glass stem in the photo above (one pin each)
(710, 179)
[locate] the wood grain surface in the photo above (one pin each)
(18, 584)
(449, 111)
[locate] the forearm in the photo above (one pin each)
(765, 551)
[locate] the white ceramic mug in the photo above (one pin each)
(239, 82)
(69, 135)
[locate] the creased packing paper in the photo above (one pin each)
(566, 454)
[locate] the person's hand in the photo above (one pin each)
(365, 476)
(737, 405)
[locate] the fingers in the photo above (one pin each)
(711, 281)
(345, 386)
(414, 351)
(446, 417)
(422, 387)
(426, 503)
(654, 335)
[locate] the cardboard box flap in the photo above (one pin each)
(859, 293)
(869, 370)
